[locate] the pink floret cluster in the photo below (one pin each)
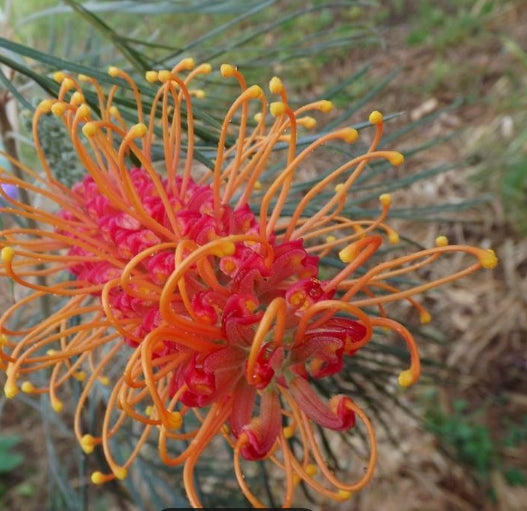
(246, 286)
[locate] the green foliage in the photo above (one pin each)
(26, 490)
(511, 166)
(500, 154)
(516, 433)
(255, 34)
(444, 24)
(9, 460)
(515, 477)
(467, 439)
(444, 30)
(508, 162)
(61, 156)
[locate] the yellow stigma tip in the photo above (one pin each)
(3, 339)
(205, 68)
(425, 317)
(296, 479)
(308, 122)
(89, 129)
(87, 449)
(151, 76)
(83, 78)
(164, 76)
(255, 91)
(277, 108)
(98, 478)
(227, 70)
(57, 405)
(174, 420)
(198, 93)
(27, 387)
(120, 473)
(311, 470)
(488, 259)
(258, 117)
(148, 411)
(339, 188)
(346, 255)
(344, 495)
(325, 106)
(58, 109)
(331, 239)
(58, 76)
(441, 241)
(68, 83)
(386, 200)
(104, 380)
(113, 71)
(188, 64)
(114, 111)
(376, 117)
(393, 237)
(45, 106)
(87, 444)
(83, 112)
(350, 135)
(406, 379)
(87, 440)
(138, 130)
(257, 185)
(77, 98)
(396, 158)
(7, 255)
(275, 85)
(79, 375)
(289, 431)
(10, 390)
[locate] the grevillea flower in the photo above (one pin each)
(200, 281)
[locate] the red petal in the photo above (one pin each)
(263, 430)
(336, 416)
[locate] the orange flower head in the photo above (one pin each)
(206, 281)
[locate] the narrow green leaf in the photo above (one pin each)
(131, 55)
(54, 63)
(219, 30)
(13, 90)
(268, 28)
(357, 105)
